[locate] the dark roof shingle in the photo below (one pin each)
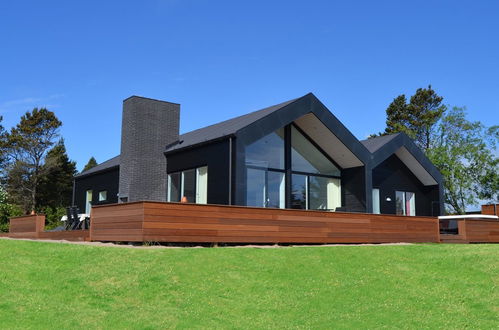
(110, 163)
(224, 128)
(375, 143)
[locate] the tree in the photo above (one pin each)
(416, 118)
(91, 163)
(397, 117)
(7, 210)
(27, 145)
(463, 151)
(3, 145)
(56, 186)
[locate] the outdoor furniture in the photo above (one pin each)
(74, 220)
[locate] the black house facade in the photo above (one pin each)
(296, 154)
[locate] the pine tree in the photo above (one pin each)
(56, 186)
(27, 145)
(416, 118)
(91, 163)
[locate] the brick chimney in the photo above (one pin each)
(147, 127)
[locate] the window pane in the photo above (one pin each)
(102, 195)
(202, 185)
(333, 194)
(400, 202)
(376, 206)
(255, 185)
(324, 193)
(188, 185)
(275, 189)
(267, 151)
(410, 203)
(174, 187)
(318, 193)
(298, 191)
(305, 157)
(88, 201)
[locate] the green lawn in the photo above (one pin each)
(47, 285)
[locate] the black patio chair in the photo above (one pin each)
(68, 223)
(75, 219)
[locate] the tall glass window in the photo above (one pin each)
(314, 179)
(255, 187)
(88, 201)
(265, 188)
(174, 187)
(305, 157)
(299, 191)
(405, 203)
(267, 152)
(202, 185)
(376, 203)
(191, 184)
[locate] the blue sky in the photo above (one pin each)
(220, 59)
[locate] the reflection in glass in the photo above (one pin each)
(399, 203)
(299, 191)
(174, 187)
(305, 157)
(405, 203)
(202, 185)
(255, 185)
(410, 204)
(267, 152)
(275, 189)
(189, 185)
(324, 193)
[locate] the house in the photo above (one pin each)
(294, 155)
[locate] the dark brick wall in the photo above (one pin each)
(147, 127)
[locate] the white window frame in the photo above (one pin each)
(201, 197)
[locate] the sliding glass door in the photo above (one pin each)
(405, 203)
(265, 188)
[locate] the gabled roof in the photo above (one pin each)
(374, 144)
(108, 164)
(409, 153)
(224, 128)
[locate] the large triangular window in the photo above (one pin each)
(305, 157)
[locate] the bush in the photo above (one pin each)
(53, 216)
(7, 211)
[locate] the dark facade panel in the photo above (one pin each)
(353, 189)
(216, 157)
(107, 180)
(392, 175)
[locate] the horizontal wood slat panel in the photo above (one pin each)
(28, 226)
(481, 231)
(174, 222)
(70, 235)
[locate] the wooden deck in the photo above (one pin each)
(33, 227)
(194, 223)
(174, 222)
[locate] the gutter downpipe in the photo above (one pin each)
(230, 170)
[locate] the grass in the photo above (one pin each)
(47, 285)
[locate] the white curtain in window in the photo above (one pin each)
(376, 208)
(410, 203)
(202, 185)
(88, 201)
(334, 194)
(282, 192)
